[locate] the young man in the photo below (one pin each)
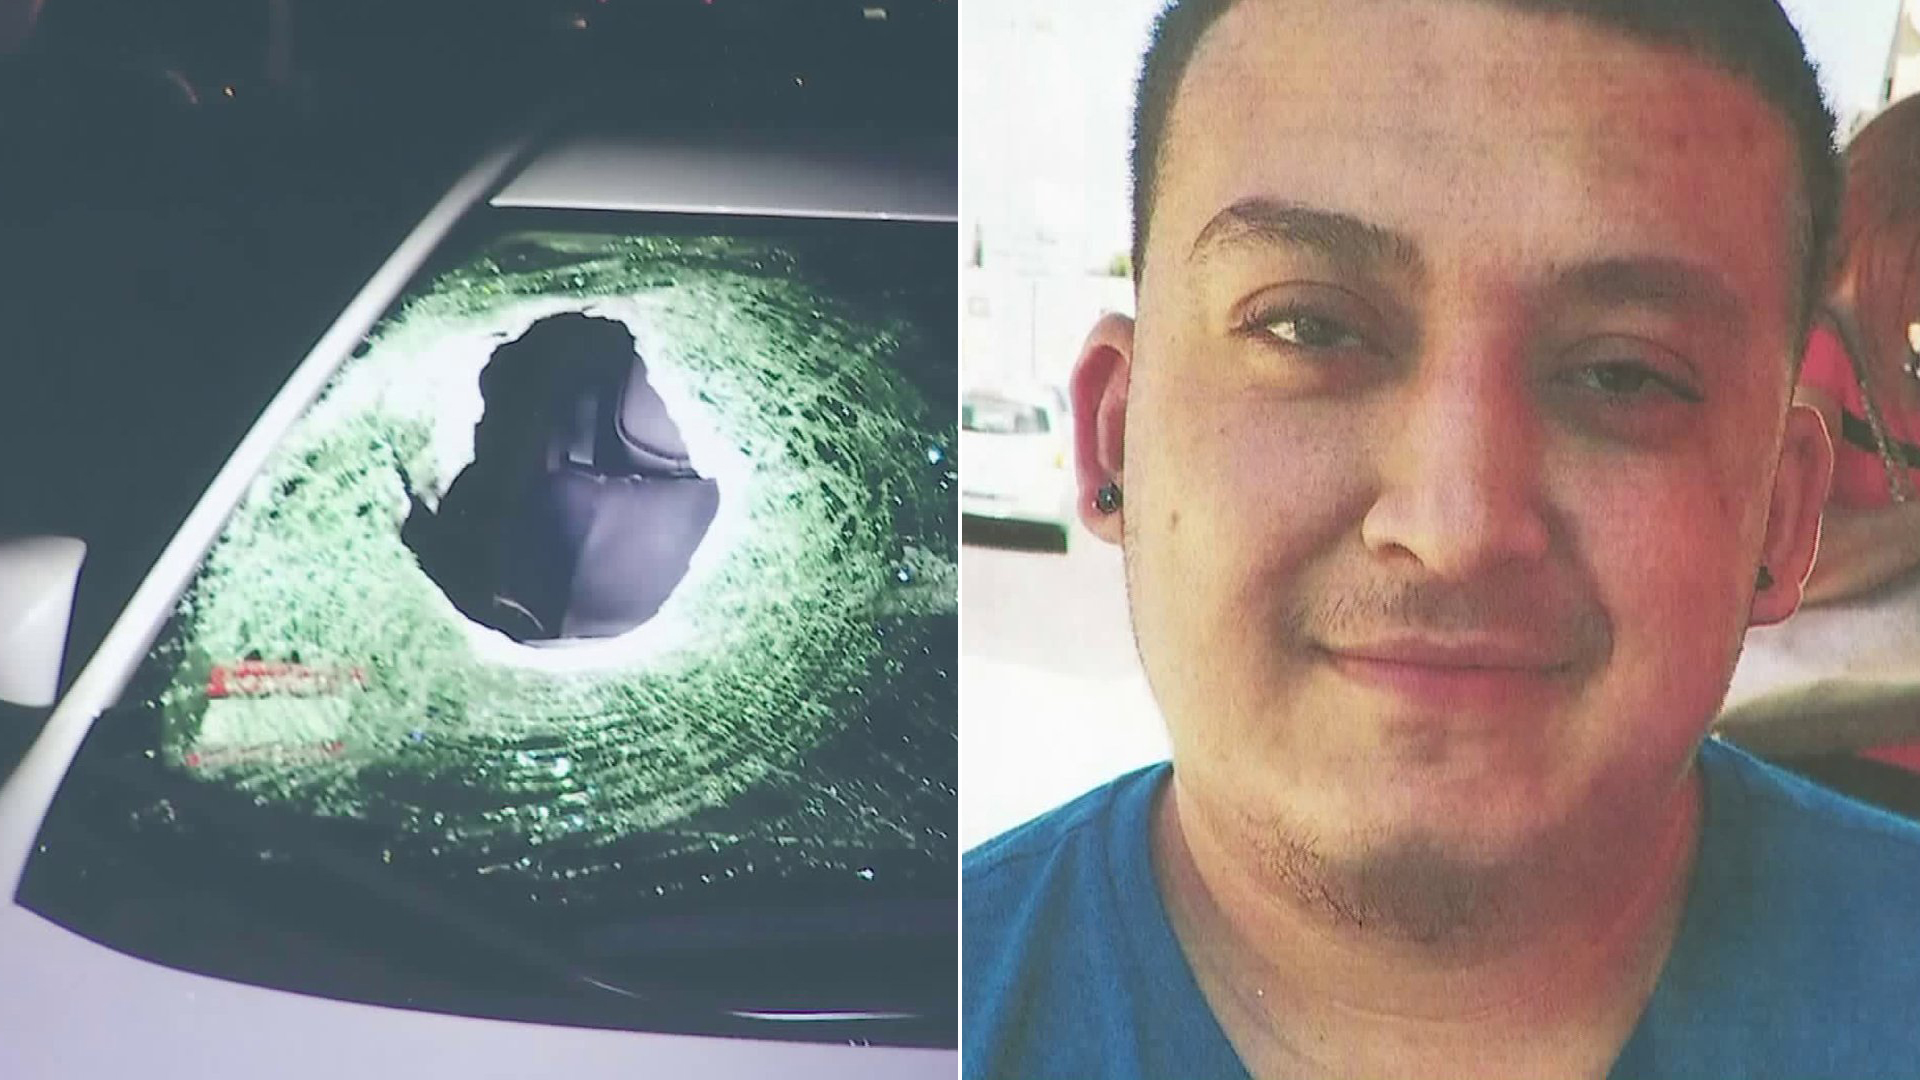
(1452, 456)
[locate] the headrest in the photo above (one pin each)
(647, 436)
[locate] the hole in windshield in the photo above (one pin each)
(581, 509)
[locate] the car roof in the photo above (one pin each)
(841, 175)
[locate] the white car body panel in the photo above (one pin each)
(88, 1011)
(688, 175)
(37, 578)
(1015, 477)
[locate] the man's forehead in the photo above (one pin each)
(1417, 115)
(1407, 66)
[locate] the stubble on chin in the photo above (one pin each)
(1407, 889)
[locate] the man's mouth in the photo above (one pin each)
(1453, 671)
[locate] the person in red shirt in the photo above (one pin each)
(1841, 680)
(1861, 370)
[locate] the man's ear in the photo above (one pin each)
(1099, 391)
(1793, 517)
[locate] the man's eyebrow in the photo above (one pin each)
(1337, 236)
(1655, 281)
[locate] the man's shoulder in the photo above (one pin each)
(1805, 861)
(1063, 850)
(1754, 802)
(1799, 952)
(1068, 957)
(1067, 823)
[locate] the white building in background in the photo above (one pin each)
(1018, 329)
(1046, 95)
(1903, 59)
(1853, 44)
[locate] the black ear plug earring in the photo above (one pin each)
(1765, 579)
(1107, 499)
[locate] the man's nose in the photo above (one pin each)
(1460, 459)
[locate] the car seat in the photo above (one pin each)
(581, 510)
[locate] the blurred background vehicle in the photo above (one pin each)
(1018, 446)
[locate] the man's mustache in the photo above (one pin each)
(1559, 623)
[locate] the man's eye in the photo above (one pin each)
(1310, 331)
(1625, 379)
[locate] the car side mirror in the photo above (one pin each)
(38, 576)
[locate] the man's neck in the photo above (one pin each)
(1553, 986)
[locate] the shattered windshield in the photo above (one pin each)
(583, 654)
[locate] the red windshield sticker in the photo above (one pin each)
(264, 678)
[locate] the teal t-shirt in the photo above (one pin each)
(1798, 954)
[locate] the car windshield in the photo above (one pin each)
(582, 655)
(990, 415)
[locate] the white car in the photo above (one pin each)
(1018, 450)
(558, 678)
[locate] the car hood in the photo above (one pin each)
(89, 1011)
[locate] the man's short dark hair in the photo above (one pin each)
(1750, 39)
